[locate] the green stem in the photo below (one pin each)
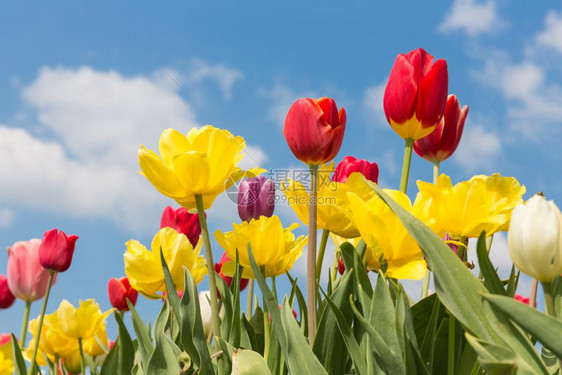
(82, 363)
(250, 298)
(451, 353)
(311, 258)
(212, 281)
(406, 165)
(548, 299)
(56, 364)
(436, 171)
(24, 323)
(425, 284)
(40, 325)
(266, 325)
(321, 251)
(335, 266)
(533, 296)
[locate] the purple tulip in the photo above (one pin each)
(256, 197)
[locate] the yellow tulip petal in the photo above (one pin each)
(192, 168)
(171, 143)
(159, 174)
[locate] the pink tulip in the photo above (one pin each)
(6, 297)
(27, 279)
(55, 253)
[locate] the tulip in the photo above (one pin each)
(314, 130)
(119, 291)
(341, 266)
(416, 94)
(218, 268)
(521, 299)
(535, 239)
(82, 322)
(443, 141)
(6, 297)
(183, 222)
(274, 247)
(6, 354)
(27, 279)
(256, 197)
(349, 165)
(55, 253)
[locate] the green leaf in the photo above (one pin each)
(143, 337)
(164, 358)
(121, 357)
(491, 278)
(348, 338)
(247, 362)
(383, 316)
(302, 304)
(298, 356)
(427, 346)
(19, 363)
(352, 260)
(512, 282)
(546, 329)
(494, 359)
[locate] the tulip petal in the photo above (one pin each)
(401, 91)
(192, 169)
(432, 96)
(159, 174)
(171, 143)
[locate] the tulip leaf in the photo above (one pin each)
(302, 304)
(494, 359)
(248, 331)
(352, 259)
(461, 292)
(546, 329)
(491, 278)
(164, 359)
(143, 336)
(298, 356)
(121, 357)
(512, 282)
(348, 338)
(19, 363)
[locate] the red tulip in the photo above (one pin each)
(5, 338)
(6, 297)
(341, 266)
(314, 130)
(27, 278)
(119, 290)
(56, 250)
(416, 94)
(349, 165)
(443, 141)
(183, 222)
(218, 268)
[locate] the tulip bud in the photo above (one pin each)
(183, 222)
(314, 130)
(443, 141)
(416, 94)
(535, 238)
(27, 279)
(218, 268)
(256, 197)
(119, 290)
(6, 297)
(341, 266)
(349, 165)
(56, 250)
(206, 313)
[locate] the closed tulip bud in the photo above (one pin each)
(535, 239)
(183, 222)
(416, 94)
(56, 250)
(314, 130)
(349, 165)
(6, 297)
(341, 266)
(119, 291)
(27, 279)
(256, 197)
(218, 268)
(443, 141)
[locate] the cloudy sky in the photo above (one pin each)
(84, 84)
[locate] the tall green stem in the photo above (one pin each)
(24, 323)
(211, 271)
(548, 299)
(436, 171)
(406, 165)
(40, 325)
(311, 258)
(427, 276)
(250, 297)
(82, 362)
(533, 296)
(321, 251)
(451, 353)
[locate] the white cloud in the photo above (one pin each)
(6, 218)
(283, 97)
(373, 102)
(95, 122)
(223, 75)
(478, 148)
(472, 17)
(551, 36)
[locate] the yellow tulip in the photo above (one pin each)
(52, 342)
(469, 207)
(6, 361)
(79, 323)
(334, 213)
(274, 247)
(144, 268)
(72, 362)
(92, 345)
(388, 242)
(202, 163)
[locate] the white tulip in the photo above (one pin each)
(535, 239)
(206, 315)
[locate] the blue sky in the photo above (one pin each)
(84, 84)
